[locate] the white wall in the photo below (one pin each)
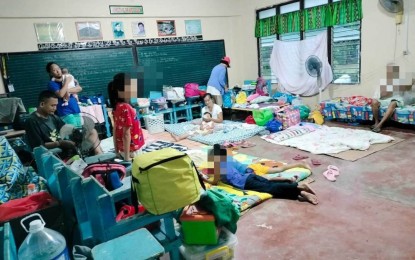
(231, 20)
(377, 50)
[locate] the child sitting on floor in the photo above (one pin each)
(205, 128)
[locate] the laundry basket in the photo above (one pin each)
(154, 123)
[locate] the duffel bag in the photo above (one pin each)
(165, 180)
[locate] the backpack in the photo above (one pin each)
(164, 180)
(191, 90)
(108, 174)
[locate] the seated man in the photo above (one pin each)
(397, 92)
(392, 103)
(42, 127)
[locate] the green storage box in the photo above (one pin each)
(198, 227)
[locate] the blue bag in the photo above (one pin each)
(274, 126)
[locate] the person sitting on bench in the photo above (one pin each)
(43, 126)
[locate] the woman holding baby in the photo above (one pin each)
(65, 88)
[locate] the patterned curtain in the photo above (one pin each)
(343, 12)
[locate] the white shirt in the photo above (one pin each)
(215, 111)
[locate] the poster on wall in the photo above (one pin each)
(118, 30)
(89, 31)
(193, 27)
(166, 28)
(138, 29)
(49, 32)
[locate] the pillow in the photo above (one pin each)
(289, 133)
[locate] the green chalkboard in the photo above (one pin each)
(178, 64)
(93, 68)
(173, 64)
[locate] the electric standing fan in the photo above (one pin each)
(313, 66)
(81, 136)
(392, 6)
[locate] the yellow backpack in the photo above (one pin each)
(165, 180)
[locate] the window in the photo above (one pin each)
(343, 45)
(345, 53)
(265, 48)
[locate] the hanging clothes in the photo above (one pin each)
(288, 60)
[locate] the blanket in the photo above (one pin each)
(334, 140)
(228, 131)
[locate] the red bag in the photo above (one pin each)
(101, 171)
(21, 207)
(250, 120)
(191, 90)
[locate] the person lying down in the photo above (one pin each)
(241, 176)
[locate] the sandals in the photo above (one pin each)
(300, 157)
(315, 162)
(331, 173)
(246, 144)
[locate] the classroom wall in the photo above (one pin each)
(377, 50)
(219, 20)
(231, 20)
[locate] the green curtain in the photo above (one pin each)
(343, 12)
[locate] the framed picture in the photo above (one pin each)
(118, 30)
(138, 29)
(89, 31)
(166, 28)
(193, 27)
(49, 32)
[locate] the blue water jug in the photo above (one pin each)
(42, 243)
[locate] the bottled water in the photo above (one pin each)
(42, 243)
(31, 188)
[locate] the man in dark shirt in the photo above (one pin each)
(43, 126)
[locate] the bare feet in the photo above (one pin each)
(305, 187)
(376, 129)
(306, 166)
(306, 196)
(176, 138)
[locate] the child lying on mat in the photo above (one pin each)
(241, 176)
(204, 128)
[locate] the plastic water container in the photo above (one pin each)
(42, 243)
(297, 101)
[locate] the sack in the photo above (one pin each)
(262, 116)
(191, 90)
(173, 93)
(108, 174)
(288, 116)
(165, 180)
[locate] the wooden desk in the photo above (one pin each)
(13, 133)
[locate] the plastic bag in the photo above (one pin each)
(262, 116)
(274, 126)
